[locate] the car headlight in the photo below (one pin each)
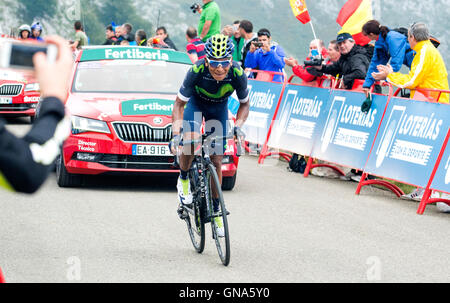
(32, 87)
(83, 125)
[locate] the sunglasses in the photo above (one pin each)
(217, 64)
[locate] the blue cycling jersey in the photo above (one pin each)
(200, 84)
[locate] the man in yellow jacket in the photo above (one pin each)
(428, 69)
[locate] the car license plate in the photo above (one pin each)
(151, 150)
(5, 100)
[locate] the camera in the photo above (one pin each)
(19, 55)
(314, 62)
(258, 44)
(195, 7)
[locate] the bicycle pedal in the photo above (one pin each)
(182, 213)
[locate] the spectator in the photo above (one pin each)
(119, 34)
(80, 37)
(141, 38)
(428, 69)
(389, 45)
(195, 47)
(125, 42)
(24, 32)
(36, 32)
(127, 33)
(238, 42)
(333, 51)
(110, 36)
(306, 73)
(162, 33)
(227, 31)
(210, 20)
(352, 64)
(246, 31)
(268, 57)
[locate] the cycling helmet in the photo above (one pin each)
(24, 28)
(218, 47)
(36, 26)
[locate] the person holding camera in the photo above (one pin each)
(266, 55)
(25, 163)
(353, 63)
(318, 54)
(210, 19)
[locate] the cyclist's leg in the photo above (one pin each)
(192, 118)
(192, 122)
(216, 123)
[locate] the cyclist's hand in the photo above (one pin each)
(174, 143)
(238, 133)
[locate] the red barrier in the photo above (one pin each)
(2, 277)
(426, 196)
(392, 187)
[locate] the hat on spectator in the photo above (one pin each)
(342, 37)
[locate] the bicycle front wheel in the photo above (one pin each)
(219, 214)
(194, 219)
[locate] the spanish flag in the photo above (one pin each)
(353, 15)
(300, 10)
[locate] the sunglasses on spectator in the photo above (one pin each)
(217, 64)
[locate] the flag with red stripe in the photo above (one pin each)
(353, 15)
(300, 10)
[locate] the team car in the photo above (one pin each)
(121, 101)
(19, 94)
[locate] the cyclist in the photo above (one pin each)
(26, 163)
(204, 94)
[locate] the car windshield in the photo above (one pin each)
(129, 76)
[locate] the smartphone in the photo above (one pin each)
(20, 55)
(258, 44)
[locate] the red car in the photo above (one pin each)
(19, 95)
(121, 103)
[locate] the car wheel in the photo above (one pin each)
(65, 179)
(32, 119)
(228, 183)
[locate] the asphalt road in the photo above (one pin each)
(284, 228)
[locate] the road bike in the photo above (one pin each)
(204, 183)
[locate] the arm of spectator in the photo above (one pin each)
(25, 163)
(251, 61)
(192, 53)
(330, 69)
(302, 72)
(205, 29)
(397, 49)
(376, 60)
(413, 78)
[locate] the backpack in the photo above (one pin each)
(297, 164)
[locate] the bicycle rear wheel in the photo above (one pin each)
(194, 221)
(222, 241)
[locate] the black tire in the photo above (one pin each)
(228, 183)
(222, 243)
(65, 179)
(32, 119)
(194, 221)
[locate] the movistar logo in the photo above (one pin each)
(238, 72)
(136, 54)
(225, 89)
(197, 69)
